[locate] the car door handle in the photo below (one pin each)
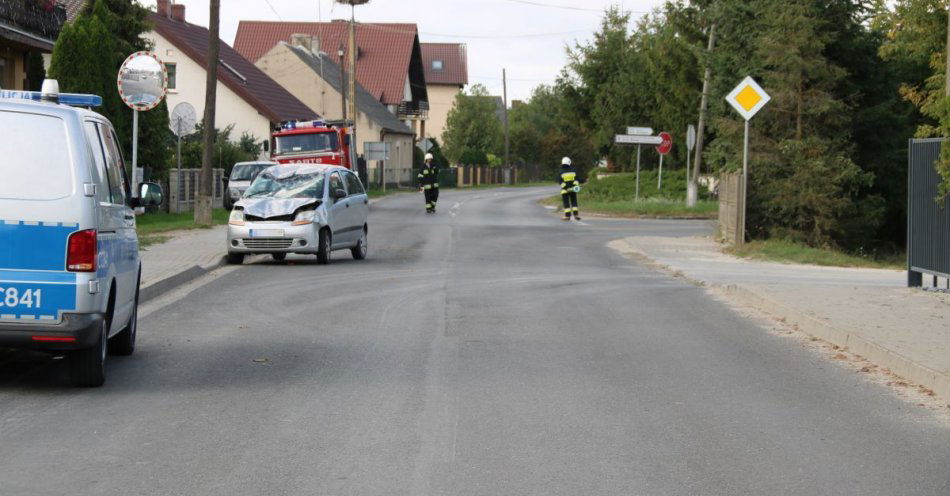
(347, 204)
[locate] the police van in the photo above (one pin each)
(69, 255)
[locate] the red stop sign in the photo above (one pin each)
(666, 145)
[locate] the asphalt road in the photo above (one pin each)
(491, 350)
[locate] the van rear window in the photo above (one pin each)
(35, 160)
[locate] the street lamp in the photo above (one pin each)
(352, 72)
(351, 84)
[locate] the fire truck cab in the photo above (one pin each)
(314, 142)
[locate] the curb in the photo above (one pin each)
(873, 352)
(877, 354)
(162, 286)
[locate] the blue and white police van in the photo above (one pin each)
(69, 257)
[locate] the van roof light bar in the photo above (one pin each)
(74, 99)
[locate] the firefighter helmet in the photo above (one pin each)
(566, 161)
(429, 156)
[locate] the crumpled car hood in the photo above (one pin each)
(273, 207)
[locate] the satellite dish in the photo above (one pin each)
(182, 120)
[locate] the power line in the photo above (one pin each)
(503, 36)
(567, 7)
(274, 10)
(379, 27)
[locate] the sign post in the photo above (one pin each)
(747, 98)
(663, 148)
(638, 136)
(142, 83)
(690, 143)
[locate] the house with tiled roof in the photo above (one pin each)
(27, 28)
(247, 98)
(389, 57)
(446, 71)
(314, 78)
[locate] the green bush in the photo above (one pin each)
(621, 187)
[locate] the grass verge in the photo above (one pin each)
(647, 208)
(160, 222)
(775, 250)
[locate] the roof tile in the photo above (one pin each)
(454, 57)
(385, 49)
(237, 73)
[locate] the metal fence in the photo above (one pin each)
(467, 175)
(730, 206)
(188, 188)
(928, 220)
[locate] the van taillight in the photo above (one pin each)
(81, 252)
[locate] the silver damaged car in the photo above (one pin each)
(300, 208)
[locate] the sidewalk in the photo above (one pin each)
(188, 255)
(870, 312)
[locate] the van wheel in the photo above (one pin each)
(323, 253)
(123, 343)
(87, 368)
(362, 247)
(235, 258)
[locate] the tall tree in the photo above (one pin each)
(203, 202)
(473, 126)
(86, 59)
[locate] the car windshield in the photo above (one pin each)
(277, 185)
(299, 143)
(247, 172)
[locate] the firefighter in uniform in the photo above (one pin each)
(429, 183)
(570, 185)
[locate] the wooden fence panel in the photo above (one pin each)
(730, 207)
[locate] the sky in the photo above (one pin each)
(527, 37)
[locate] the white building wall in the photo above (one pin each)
(190, 87)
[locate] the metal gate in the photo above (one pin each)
(928, 220)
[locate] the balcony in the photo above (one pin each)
(35, 23)
(416, 109)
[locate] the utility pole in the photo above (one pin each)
(692, 189)
(352, 81)
(203, 202)
(343, 85)
(504, 86)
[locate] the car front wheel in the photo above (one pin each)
(323, 250)
(362, 247)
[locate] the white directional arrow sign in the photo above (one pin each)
(640, 131)
(627, 139)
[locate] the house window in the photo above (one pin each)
(436, 65)
(172, 76)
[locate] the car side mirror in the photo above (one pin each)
(338, 194)
(150, 195)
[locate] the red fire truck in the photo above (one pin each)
(314, 142)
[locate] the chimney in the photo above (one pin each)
(178, 12)
(306, 41)
(163, 7)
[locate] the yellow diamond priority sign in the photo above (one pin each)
(748, 98)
